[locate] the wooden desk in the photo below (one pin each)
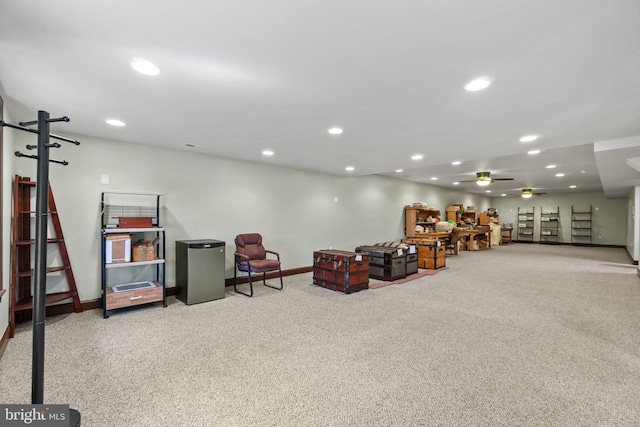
(483, 237)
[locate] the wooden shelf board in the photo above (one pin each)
(27, 303)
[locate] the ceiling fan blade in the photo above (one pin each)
(502, 179)
(469, 180)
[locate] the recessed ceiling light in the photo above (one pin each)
(145, 67)
(559, 174)
(434, 178)
(532, 152)
(456, 183)
(529, 138)
(487, 191)
(503, 194)
(115, 122)
(416, 157)
(456, 163)
(572, 186)
(350, 168)
(583, 171)
(398, 170)
(267, 153)
(478, 84)
(335, 131)
(550, 166)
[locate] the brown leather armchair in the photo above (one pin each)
(251, 257)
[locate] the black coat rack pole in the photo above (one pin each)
(40, 270)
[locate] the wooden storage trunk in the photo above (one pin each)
(431, 255)
(341, 270)
(412, 262)
(385, 263)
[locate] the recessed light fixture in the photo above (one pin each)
(145, 67)
(350, 168)
(550, 166)
(456, 163)
(487, 191)
(559, 174)
(267, 153)
(416, 157)
(503, 194)
(456, 183)
(398, 170)
(434, 178)
(529, 138)
(335, 131)
(478, 84)
(532, 152)
(572, 186)
(115, 122)
(583, 171)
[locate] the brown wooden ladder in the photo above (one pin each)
(21, 300)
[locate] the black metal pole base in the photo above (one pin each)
(74, 418)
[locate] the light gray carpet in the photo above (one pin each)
(520, 335)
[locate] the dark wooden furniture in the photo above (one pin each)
(22, 244)
(342, 271)
(385, 263)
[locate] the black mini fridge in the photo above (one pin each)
(199, 270)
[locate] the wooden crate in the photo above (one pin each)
(341, 270)
(143, 251)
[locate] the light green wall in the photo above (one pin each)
(7, 179)
(217, 198)
(633, 222)
(609, 219)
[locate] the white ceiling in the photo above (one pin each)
(242, 76)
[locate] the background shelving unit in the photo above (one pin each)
(426, 218)
(525, 224)
(581, 226)
(549, 225)
(133, 271)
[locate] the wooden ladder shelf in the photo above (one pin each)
(21, 302)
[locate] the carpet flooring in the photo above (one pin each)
(519, 335)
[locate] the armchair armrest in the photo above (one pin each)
(241, 256)
(273, 252)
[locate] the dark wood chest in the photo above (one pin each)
(341, 270)
(385, 263)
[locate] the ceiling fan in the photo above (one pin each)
(527, 193)
(484, 178)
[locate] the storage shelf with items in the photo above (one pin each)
(581, 226)
(133, 251)
(468, 217)
(489, 217)
(525, 224)
(549, 225)
(420, 220)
